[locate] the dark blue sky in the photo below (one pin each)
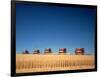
(41, 26)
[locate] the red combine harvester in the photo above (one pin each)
(62, 50)
(79, 51)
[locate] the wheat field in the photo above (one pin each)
(40, 63)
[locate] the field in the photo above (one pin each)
(40, 63)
